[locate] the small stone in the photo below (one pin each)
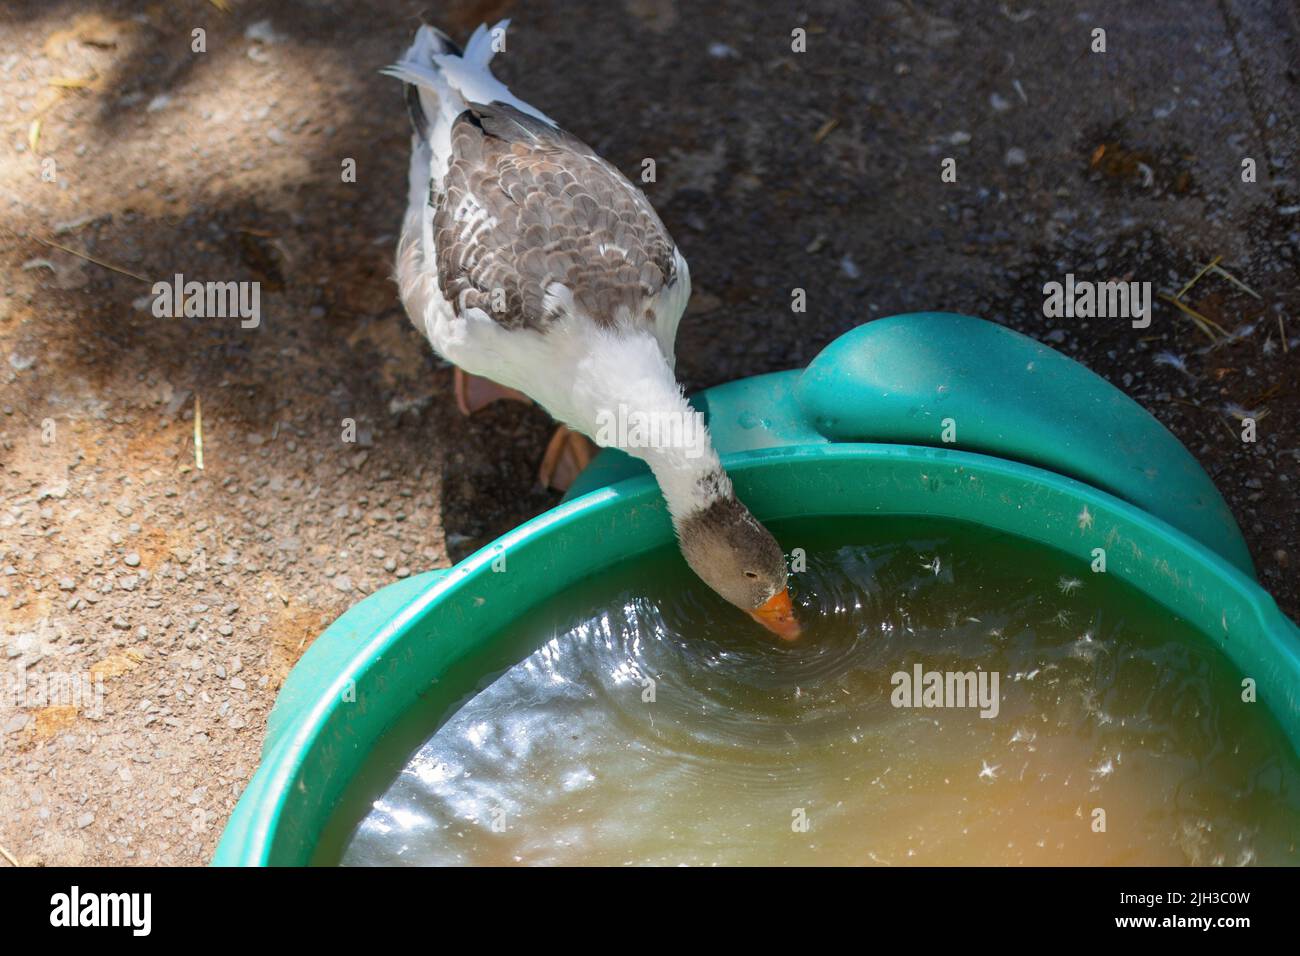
(16, 723)
(132, 559)
(56, 490)
(263, 32)
(85, 820)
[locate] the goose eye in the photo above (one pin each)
(751, 574)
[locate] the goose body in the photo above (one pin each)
(527, 259)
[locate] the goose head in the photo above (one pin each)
(739, 559)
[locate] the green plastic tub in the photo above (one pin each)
(923, 414)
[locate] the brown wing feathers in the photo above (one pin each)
(525, 205)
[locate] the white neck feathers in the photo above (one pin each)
(635, 403)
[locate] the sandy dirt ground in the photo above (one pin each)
(126, 157)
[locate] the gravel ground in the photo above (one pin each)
(187, 594)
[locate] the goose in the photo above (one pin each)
(542, 274)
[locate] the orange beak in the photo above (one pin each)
(777, 615)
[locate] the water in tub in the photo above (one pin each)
(958, 697)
